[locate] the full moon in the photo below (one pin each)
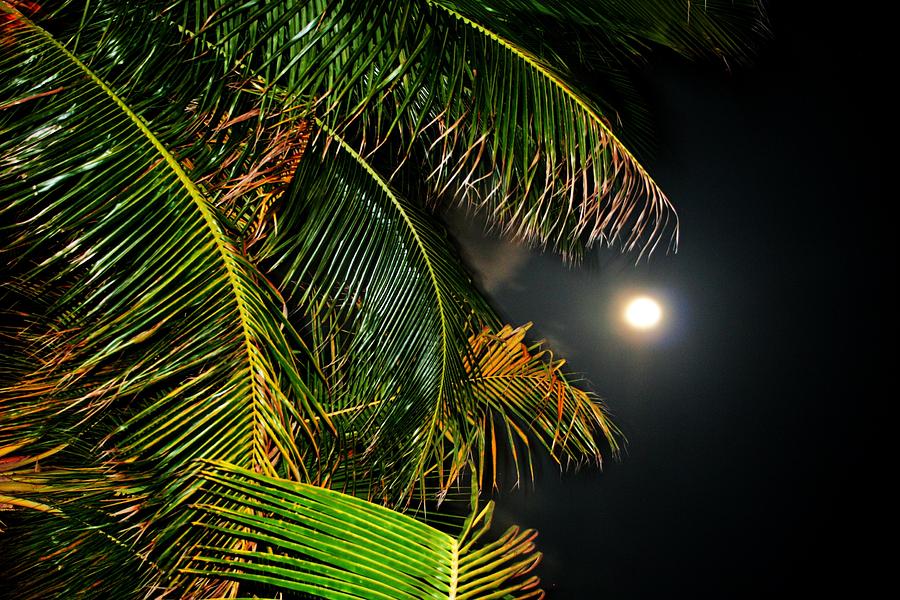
(643, 313)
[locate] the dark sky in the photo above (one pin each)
(751, 421)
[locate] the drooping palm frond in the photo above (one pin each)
(378, 266)
(456, 81)
(148, 334)
(501, 125)
(619, 30)
(301, 538)
(514, 119)
(97, 202)
(514, 140)
(595, 46)
(163, 334)
(521, 394)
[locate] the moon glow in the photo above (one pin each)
(643, 313)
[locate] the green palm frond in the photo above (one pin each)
(536, 156)
(586, 50)
(98, 205)
(300, 538)
(353, 251)
(621, 29)
(335, 57)
(150, 335)
(512, 136)
(465, 83)
(75, 539)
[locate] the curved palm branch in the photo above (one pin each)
(354, 252)
(151, 335)
(258, 535)
(519, 143)
(148, 271)
(454, 81)
(622, 30)
(302, 538)
(557, 173)
(463, 81)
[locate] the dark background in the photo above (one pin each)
(752, 418)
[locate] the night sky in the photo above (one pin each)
(751, 418)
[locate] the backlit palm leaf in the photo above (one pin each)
(317, 541)
(156, 330)
(522, 395)
(502, 128)
(519, 143)
(334, 56)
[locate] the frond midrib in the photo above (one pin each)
(454, 570)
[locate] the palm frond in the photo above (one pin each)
(306, 539)
(96, 204)
(148, 333)
(518, 143)
(596, 46)
(354, 253)
(522, 395)
(76, 537)
(614, 30)
(208, 309)
(475, 101)
(335, 57)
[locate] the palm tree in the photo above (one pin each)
(241, 355)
